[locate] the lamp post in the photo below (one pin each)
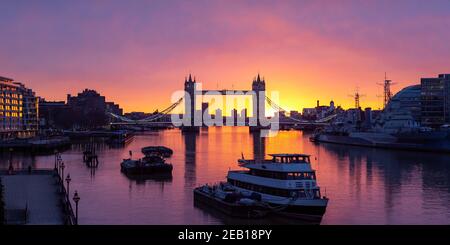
(68, 179)
(62, 172)
(76, 199)
(10, 167)
(60, 161)
(56, 159)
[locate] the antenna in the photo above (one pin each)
(380, 101)
(387, 90)
(357, 96)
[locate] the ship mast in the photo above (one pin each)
(357, 96)
(387, 90)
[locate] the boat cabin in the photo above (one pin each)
(290, 158)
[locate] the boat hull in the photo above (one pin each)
(432, 146)
(297, 210)
(231, 209)
(305, 213)
(163, 168)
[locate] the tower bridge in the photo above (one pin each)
(258, 93)
(193, 95)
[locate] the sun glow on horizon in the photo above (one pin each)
(138, 54)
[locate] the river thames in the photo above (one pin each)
(365, 185)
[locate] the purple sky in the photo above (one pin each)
(138, 52)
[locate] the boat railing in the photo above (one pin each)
(244, 161)
(69, 214)
(265, 161)
(219, 183)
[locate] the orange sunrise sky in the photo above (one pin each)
(137, 53)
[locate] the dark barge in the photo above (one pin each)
(230, 208)
(152, 163)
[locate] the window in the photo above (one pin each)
(262, 189)
(283, 175)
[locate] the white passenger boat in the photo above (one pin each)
(285, 184)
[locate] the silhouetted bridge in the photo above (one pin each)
(162, 118)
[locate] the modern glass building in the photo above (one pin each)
(435, 99)
(18, 110)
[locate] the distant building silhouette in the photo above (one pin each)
(90, 100)
(318, 112)
(50, 112)
(86, 110)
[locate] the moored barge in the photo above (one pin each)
(284, 186)
(153, 162)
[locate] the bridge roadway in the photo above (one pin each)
(165, 124)
(225, 92)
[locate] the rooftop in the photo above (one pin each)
(5, 79)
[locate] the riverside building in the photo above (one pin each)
(18, 110)
(435, 99)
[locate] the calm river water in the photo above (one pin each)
(365, 186)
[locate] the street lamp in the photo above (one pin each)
(68, 179)
(76, 199)
(62, 172)
(59, 163)
(56, 158)
(10, 168)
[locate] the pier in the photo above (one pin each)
(36, 144)
(35, 197)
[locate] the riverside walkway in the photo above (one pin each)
(35, 197)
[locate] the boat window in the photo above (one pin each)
(261, 189)
(283, 175)
(309, 175)
(301, 176)
(268, 174)
(290, 159)
(294, 175)
(272, 191)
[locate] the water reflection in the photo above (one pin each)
(259, 146)
(365, 186)
(190, 146)
(390, 186)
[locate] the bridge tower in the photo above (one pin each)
(259, 101)
(190, 87)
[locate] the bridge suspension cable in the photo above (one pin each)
(151, 118)
(280, 109)
(274, 105)
(120, 117)
(162, 113)
(326, 119)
